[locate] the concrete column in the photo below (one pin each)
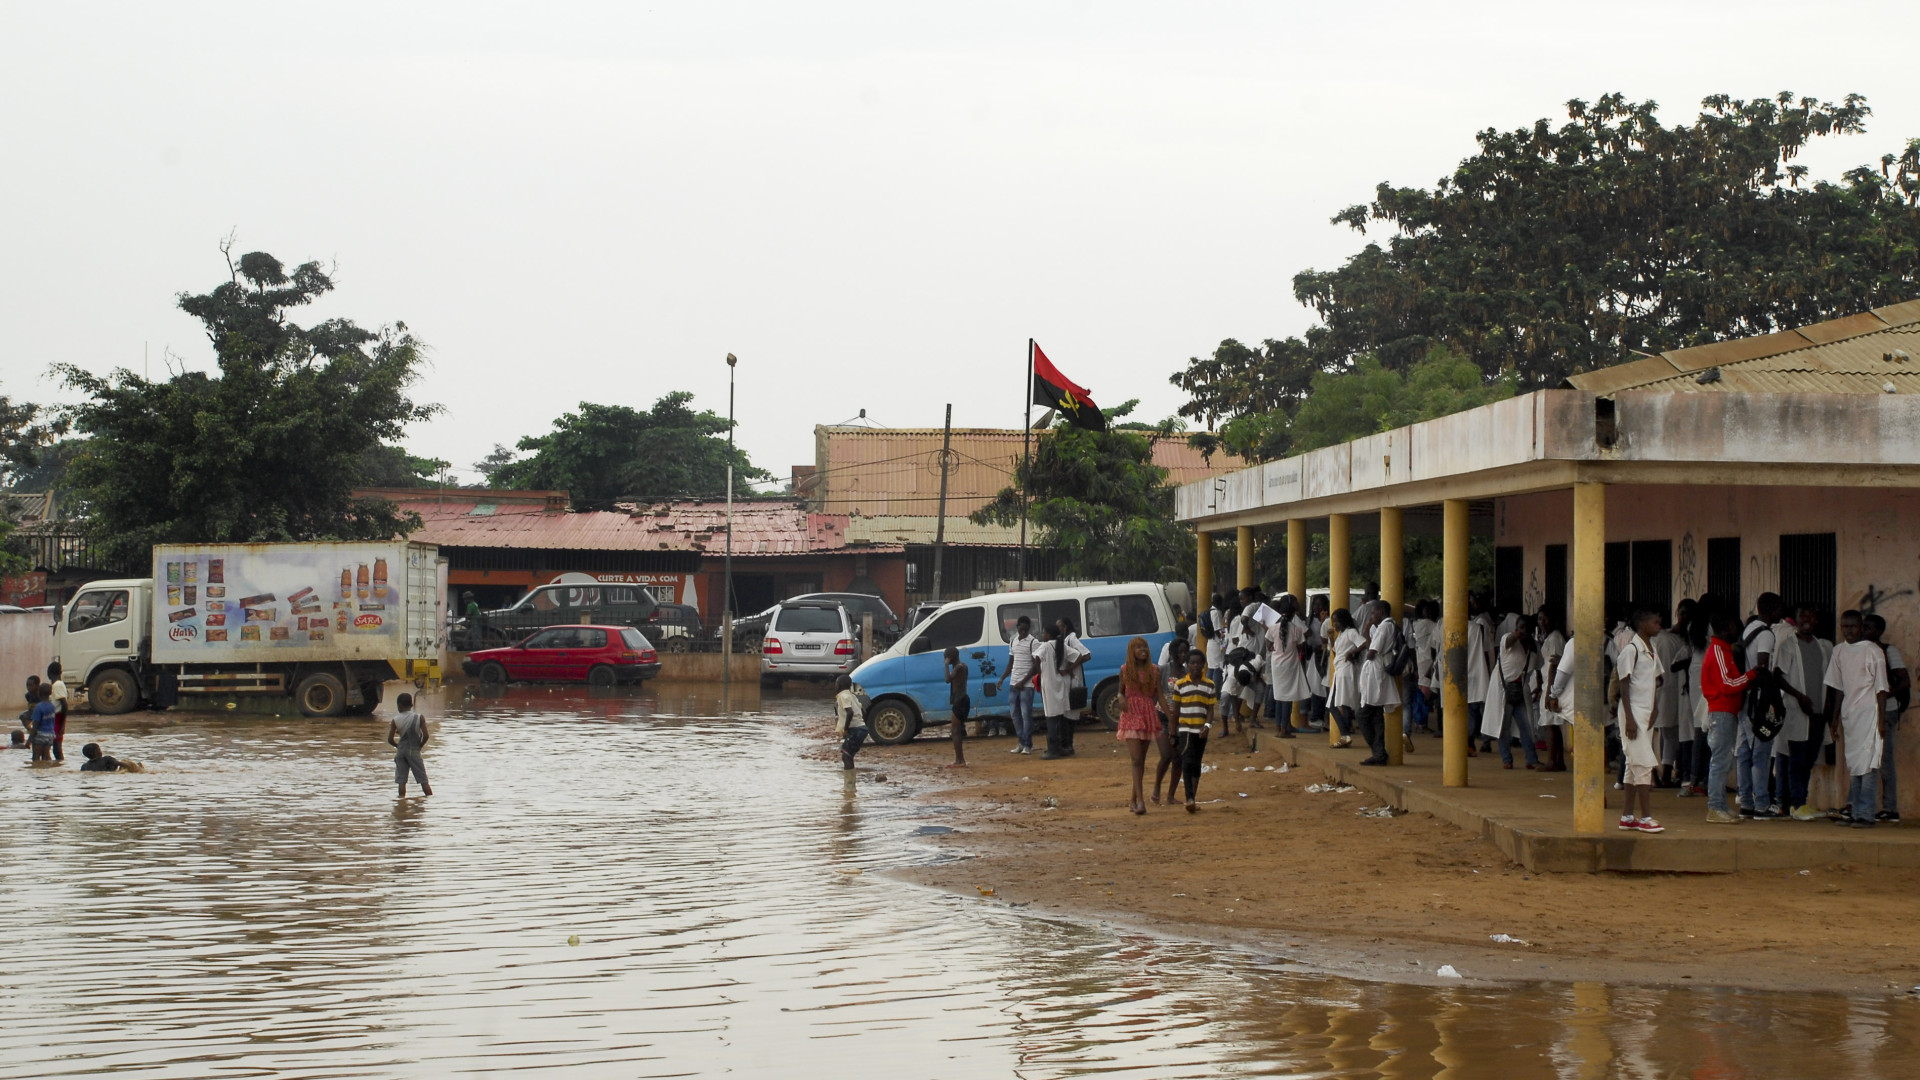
(1393, 575)
(1202, 572)
(1297, 563)
(1589, 629)
(1243, 557)
(1339, 583)
(1453, 653)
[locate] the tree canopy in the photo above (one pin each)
(267, 448)
(1560, 248)
(1098, 497)
(604, 453)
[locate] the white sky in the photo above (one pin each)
(874, 205)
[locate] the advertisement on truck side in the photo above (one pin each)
(266, 603)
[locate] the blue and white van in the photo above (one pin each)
(905, 685)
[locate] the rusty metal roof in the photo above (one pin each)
(1860, 354)
(485, 522)
(760, 527)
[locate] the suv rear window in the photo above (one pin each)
(807, 620)
(958, 628)
(1121, 616)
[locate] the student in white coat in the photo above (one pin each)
(1480, 661)
(1858, 674)
(1287, 662)
(1800, 662)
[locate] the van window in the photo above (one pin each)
(958, 628)
(807, 620)
(97, 608)
(1043, 614)
(1121, 616)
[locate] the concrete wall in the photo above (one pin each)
(26, 647)
(1877, 561)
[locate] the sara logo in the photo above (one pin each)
(366, 622)
(183, 632)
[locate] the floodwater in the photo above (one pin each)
(260, 904)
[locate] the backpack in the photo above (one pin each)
(1393, 659)
(1766, 707)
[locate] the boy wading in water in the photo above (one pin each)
(407, 733)
(849, 720)
(955, 674)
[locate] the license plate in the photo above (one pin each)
(801, 646)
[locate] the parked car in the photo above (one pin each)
(595, 655)
(555, 605)
(808, 639)
(675, 627)
(886, 625)
(919, 613)
(747, 630)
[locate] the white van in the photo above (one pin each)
(905, 684)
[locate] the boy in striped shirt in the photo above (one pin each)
(1195, 699)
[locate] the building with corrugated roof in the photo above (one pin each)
(1787, 463)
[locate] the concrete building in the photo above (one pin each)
(1786, 463)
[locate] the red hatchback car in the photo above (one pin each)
(595, 655)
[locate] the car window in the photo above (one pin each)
(589, 639)
(620, 594)
(559, 638)
(958, 628)
(1043, 614)
(803, 620)
(632, 639)
(97, 608)
(1121, 616)
(544, 599)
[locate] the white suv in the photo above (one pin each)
(808, 639)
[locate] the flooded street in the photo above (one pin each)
(260, 904)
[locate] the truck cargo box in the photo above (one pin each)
(276, 603)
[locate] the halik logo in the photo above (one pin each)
(183, 632)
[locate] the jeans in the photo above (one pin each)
(1189, 748)
(1861, 800)
(1282, 713)
(1889, 778)
(1476, 712)
(1518, 722)
(1722, 731)
(1341, 717)
(1373, 728)
(856, 738)
(1756, 769)
(1020, 701)
(1416, 713)
(1317, 713)
(1800, 757)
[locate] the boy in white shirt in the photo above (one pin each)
(1856, 713)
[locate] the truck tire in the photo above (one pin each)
(114, 691)
(493, 673)
(601, 675)
(321, 694)
(1108, 705)
(893, 722)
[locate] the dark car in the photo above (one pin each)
(675, 627)
(748, 630)
(595, 655)
(556, 605)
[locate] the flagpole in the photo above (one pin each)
(1026, 457)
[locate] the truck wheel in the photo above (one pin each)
(1107, 705)
(893, 722)
(321, 694)
(113, 692)
(600, 675)
(493, 674)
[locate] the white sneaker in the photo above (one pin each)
(1016, 750)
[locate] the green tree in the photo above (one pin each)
(605, 453)
(1371, 398)
(392, 467)
(1098, 497)
(269, 447)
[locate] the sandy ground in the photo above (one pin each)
(1268, 866)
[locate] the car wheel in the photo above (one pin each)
(321, 694)
(493, 673)
(1108, 704)
(675, 644)
(113, 692)
(893, 722)
(600, 675)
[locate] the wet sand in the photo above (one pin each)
(1265, 864)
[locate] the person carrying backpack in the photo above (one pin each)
(1379, 680)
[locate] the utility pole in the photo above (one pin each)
(1026, 465)
(940, 529)
(726, 601)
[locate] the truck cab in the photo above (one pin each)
(100, 640)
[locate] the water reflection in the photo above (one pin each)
(260, 903)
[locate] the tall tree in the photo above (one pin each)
(1098, 497)
(604, 453)
(268, 447)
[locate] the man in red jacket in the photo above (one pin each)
(1724, 685)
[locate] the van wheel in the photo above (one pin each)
(1107, 705)
(600, 675)
(493, 673)
(893, 722)
(321, 694)
(113, 692)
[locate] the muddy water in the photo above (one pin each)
(260, 904)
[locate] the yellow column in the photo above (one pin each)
(1393, 579)
(1297, 563)
(1453, 655)
(1243, 557)
(1589, 629)
(1339, 583)
(1202, 572)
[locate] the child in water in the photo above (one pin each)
(849, 720)
(407, 734)
(100, 761)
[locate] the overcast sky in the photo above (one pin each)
(873, 205)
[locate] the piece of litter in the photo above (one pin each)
(1806, 873)
(1316, 789)
(1244, 795)
(1378, 811)
(1267, 769)
(573, 939)
(1247, 769)
(1446, 972)
(984, 890)
(1507, 939)
(1549, 796)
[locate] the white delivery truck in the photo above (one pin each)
(322, 624)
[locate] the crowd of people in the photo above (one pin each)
(1693, 698)
(43, 728)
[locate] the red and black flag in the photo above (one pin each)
(1056, 391)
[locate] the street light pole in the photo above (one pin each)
(726, 602)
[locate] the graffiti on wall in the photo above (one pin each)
(1874, 596)
(1534, 598)
(1686, 575)
(1763, 574)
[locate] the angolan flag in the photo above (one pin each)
(1056, 391)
